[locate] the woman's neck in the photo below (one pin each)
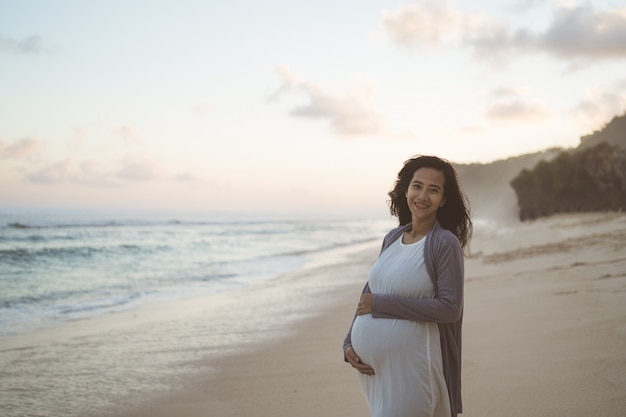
(418, 230)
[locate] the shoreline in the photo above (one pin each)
(153, 311)
(277, 377)
(154, 350)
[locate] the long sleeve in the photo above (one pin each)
(447, 306)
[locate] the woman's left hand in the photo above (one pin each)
(365, 304)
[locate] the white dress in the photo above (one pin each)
(405, 355)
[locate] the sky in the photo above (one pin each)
(288, 106)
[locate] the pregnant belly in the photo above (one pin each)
(375, 340)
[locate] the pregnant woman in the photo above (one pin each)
(405, 339)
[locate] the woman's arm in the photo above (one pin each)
(446, 307)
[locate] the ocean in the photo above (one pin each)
(144, 297)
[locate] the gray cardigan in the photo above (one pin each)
(443, 257)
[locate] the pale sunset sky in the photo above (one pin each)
(302, 106)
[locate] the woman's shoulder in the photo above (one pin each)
(444, 236)
(394, 234)
(397, 231)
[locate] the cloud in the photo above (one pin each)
(91, 172)
(30, 45)
(187, 177)
(517, 110)
(429, 23)
(525, 5)
(128, 134)
(585, 32)
(21, 148)
(506, 92)
(59, 172)
(599, 107)
(143, 169)
(68, 171)
(349, 114)
(574, 33)
(511, 105)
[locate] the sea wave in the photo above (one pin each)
(30, 254)
(106, 223)
(54, 266)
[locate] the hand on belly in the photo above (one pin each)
(356, 362)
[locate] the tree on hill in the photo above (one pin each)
(587, 179)
(488, 185)
(613, 133)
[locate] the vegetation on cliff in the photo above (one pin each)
(613, 133)
(552, 181)
(488, 185)
(586, 179)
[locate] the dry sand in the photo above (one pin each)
(544, 335)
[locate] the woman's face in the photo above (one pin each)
(425, 193)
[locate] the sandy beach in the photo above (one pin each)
(544, 335)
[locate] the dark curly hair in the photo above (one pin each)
(454, 215)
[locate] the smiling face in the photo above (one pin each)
(425, 194)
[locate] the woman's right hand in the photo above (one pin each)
(356, 363)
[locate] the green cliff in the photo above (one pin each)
(591, 177)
